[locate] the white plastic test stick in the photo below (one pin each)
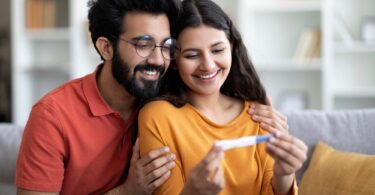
(243, 141)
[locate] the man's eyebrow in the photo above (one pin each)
(142, 37)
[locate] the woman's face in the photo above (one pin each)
(204, 60)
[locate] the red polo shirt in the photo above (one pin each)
(74, 143)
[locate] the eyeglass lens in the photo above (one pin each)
(145, 47)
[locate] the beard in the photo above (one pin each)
(139, 88)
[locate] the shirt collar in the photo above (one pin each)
(96, 102)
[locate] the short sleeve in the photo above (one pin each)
(40, 163)
(152, 127)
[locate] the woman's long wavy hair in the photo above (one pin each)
(242, 82)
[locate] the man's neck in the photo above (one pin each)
(114, 94)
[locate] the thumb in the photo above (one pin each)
(269, 101)
(135, 155)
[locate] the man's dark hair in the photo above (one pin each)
(242, 82)
(106, 16)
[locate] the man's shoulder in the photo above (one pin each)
(64, 94)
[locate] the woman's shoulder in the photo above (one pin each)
(158, 108)
(158, 104)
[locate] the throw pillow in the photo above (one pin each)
(333, 172)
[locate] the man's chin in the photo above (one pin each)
(144, 89)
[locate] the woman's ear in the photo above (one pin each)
(105, 48)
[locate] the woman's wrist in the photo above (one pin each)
(282, 184)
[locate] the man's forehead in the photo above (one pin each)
(146, 24)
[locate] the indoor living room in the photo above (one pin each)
(315, 58)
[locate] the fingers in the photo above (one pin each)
(212, 159)
(288, 151)
(264, 110)
(269, 118)
(269, 101)
(165, 160)
(135, 155)
(153, 155)
(207, 177)
(161, 176)
(218, 178)
(153, 169)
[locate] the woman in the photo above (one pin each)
(209, 89)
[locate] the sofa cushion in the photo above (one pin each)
(334, 172)
(352, 131)
(10, 137)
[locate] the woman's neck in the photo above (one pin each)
(218, 107)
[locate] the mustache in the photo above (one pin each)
(148, 67)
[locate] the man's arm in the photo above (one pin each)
(28, 192)
(145, 174)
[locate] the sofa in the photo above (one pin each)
(10, 138)
(350, 131)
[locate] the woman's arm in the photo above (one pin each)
(151, 138)
(289, 153)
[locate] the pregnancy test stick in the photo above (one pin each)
(243, 141)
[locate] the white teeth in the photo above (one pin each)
(151, 73)
(209, 76)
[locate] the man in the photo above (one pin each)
(78, 137)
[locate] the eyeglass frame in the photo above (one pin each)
(134, 43)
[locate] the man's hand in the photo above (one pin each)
(149, 172)
(269, 118)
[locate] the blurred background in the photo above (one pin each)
(310, 54)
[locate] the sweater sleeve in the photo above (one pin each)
(152, 130)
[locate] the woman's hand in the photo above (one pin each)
(269, 118)
(288, 152)
(206, 177)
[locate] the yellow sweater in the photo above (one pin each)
(190, 135)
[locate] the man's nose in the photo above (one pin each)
(156, 57)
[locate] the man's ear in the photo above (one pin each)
(105, 48)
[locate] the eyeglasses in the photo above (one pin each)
(146, 46)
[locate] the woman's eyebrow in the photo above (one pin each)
(216, 44)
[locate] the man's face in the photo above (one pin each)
(140, 74)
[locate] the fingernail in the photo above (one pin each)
(278, 134)
(171, 165)
(262, 124)
(251, 110)
(270, 145)
(166, 149)
(272, 140)
(255, 117)
(172, 157)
